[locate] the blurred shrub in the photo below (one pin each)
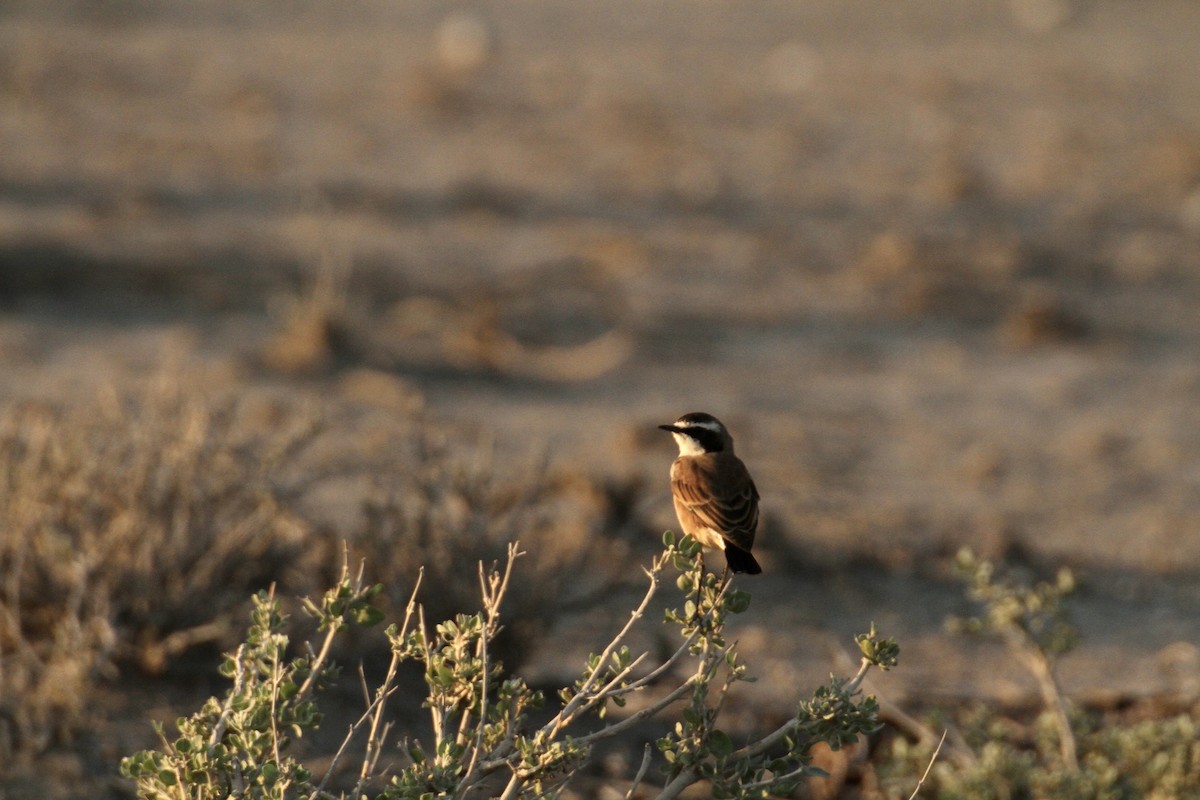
(134, 525)
(1119, 760)
(1064, 752)
(128, 523)
(448, 507)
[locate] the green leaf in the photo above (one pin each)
(368, 616)
(737, 601)
(720, 743)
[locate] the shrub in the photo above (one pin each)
(482, 736)
(1064, 753)
(115, 515)
(444, 505)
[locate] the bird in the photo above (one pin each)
(715, 497)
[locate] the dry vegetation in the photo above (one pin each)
(936, 264)
(118, 515)
(134, 525)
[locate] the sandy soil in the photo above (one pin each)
(937, 266)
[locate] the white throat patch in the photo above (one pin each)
(687, 445)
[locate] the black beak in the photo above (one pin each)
(671, 428)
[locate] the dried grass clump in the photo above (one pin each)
(128, 523)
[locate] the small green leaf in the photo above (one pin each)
(368, 616)
(720, 743)
(737, 601)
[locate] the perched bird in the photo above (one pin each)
(715, 497)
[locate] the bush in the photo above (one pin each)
(115, 515)
(1064, 753)
(482, 735)
(118, 511)
(444, 505)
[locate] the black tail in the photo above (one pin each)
(740, 560)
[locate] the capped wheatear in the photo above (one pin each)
(715, 497)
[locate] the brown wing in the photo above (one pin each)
(718, 493)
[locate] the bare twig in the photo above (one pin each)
(322, 656)
(493, 590)
(641, 773)
(354, 728)
(1043, 670)
(925, 774)
(276, 676)
(582, 698)
(609, 731)
(658, 671)
(379, 731)
(770, 740)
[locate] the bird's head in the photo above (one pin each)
(699, 433)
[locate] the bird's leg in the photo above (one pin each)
(699, 589)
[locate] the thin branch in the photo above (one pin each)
(570, 711)
(322, 656)
(1039, 664)
(618, 727)
(855, 683)
(767, 742)
(607, 690)
(770, 740)
(493, 591)
(375, 739)
(641, 773)
(925, 775)
(958, 751)
(654, 674)
(513, 786)
(227, 710)
(377, 735)
(677, 784)
(354, 728)
(373, 714)
(798, 772)
(435, 717)
(276, 675)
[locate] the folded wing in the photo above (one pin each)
(722, 497)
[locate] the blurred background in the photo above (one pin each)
(426, 275)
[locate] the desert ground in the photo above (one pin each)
(937, 266)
